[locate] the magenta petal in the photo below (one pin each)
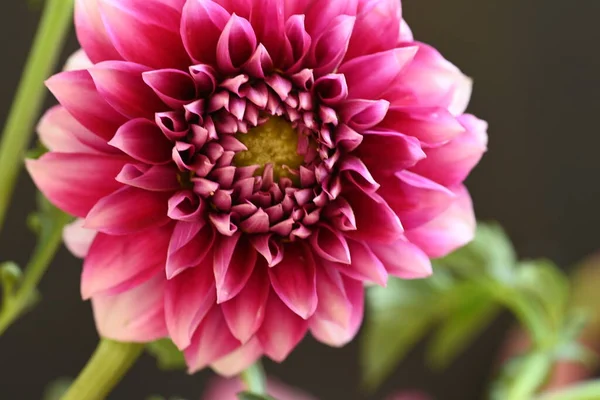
(355, 171)
(385, 152)
(432, 126)
(188, 298)
(297, 44)
(190, 244)
(238, 360)
(329, 48)
(211, 341)
(246, 311)
(450, 164)
(236, 44)
(91, 32)
(375, 220)
(146, 32)
(174, 87)
(136, 315)
(201, 25)
(371, 75)
(334, 305)
(267, 18)
(121, 85)
(361, 115)
(76, 91)
(75, 182)
(320, 13)
(60, 132)
(161, 178)
(281, 330)
(294, 281)
(332, 88)
(118, 263)
(449, 231)
(331, 332)
(78, 239)
(403, 259)
(234, 262)
(329, 244)
(365, 267)
(144, 141)
(415, 199)
(376, 29)
(128, 210)
(269, 247)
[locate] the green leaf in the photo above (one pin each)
(474, 311)
(168, 356)
(589, 390)
(10, 276)
(253, 396)
(56, 389)
(522, 376)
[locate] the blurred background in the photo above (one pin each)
(537, 83)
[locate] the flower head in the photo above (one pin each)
(243, 167)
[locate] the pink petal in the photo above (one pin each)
(432, 126)
(78, 239)
(385, 152)
(121, 85)
(188, 298)
(371, 75)
(144, 141)
(331, 332)
(406, 34)
(362, 115)
(329, 244)
(329, 48)
(190, 244)
(211, 341)
(75, 182)
(321, 12)
(236, 44)
(234, 262)
(267, 18)
(136, 315)
(365, 267)
(415, 199)
(334, 305)
(375, 220)
(332, 88)
(281, 330)
(376, 29)
(450, 164)
(146, 32)
(403, 259)
(154, 178)
(353, 170)
(201, 26)
(269, 247)
(76, 61)
(174, 87)
(294, 280)
(119, 263)
(128, 210)
(451, 230)
(297, 43)
(60, 132)
(245, 313)
(91, 32)
(76, 91)
(237, 361)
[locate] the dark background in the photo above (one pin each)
(536, 67)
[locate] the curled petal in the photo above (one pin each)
(330, 245)
(174, 87)
(361, 115)
(269, 247)
(236, 44)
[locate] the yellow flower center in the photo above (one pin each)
(275, 142)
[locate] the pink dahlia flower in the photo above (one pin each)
(243, 167)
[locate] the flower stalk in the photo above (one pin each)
(105, 369)
(47, 46)
(254, 379)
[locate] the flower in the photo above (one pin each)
(241, 168)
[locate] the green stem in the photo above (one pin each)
(254, 379)
(48, 43)
(34, 272)
(109, 363)
(585, 391)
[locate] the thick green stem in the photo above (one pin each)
(254, 379)
(109, 363)
(584, 391)
(34, 272)
(48, 43)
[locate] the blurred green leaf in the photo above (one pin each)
(168, 356)
(10, 276)
(589, 390)
(56, 389)
(253, 396)
(38, 149)
(474, 311)
(522, 376)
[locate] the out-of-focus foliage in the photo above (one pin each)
(168, 356)
(56, 389)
